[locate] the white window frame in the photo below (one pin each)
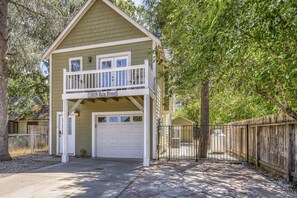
(105, 60)
(120, 58)
(76, 58)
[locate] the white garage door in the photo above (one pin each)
(120, 136)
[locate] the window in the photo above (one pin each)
(121, 62)
(113, 119)
(101, 119)
(106, 64)
(137, 118)
(75, 64)
(125, 118)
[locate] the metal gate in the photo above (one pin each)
(225, 142)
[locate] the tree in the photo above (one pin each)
(25, 31)
(187, 31)
(4, 155)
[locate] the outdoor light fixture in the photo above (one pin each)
(76, 113)
(90, 59)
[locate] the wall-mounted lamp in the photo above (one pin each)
(90, 59)
(76, 113)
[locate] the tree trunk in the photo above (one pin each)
(204, 122)
(4, 155)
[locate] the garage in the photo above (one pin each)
(119, 136)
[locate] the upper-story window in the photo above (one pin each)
(75, 64)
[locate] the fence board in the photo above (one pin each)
(272, 142)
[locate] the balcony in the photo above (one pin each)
(124, 78)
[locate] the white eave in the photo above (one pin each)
(81, 13)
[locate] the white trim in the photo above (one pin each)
(60, 113)
(142, 29)
(50, 150)
(76, 58)
(57, 132)
(146, 131)
(154, 120)
(136, 103)
(94, 114)
(69, 27)
(100, 45)
(121, 93)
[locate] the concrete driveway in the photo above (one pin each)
(204, 179)
(79, 178)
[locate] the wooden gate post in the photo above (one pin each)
(257, 146)
(289, 135)
(247, 144)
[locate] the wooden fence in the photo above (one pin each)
(33, 129)
(272, 143)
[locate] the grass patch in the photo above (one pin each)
(25, 151)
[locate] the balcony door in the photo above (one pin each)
(112, 74)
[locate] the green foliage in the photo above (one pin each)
(129, 7)
(34, 26)
(244, 48)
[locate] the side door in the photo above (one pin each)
(71, 134)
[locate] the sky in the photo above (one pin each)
(138, 2)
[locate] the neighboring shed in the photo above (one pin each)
(182, 121)
(184, 128)
(39, 116)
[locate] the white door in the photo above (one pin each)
(119, 136)
(113, 78)
(71, 134)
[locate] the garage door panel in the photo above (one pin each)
(120, 140)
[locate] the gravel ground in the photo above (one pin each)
(23, 164)
(204, 179)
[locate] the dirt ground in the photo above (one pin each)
(204, 179)
(25, 163)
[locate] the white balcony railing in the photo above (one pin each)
(131, 77)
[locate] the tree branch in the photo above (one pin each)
(16, 4)
(286, 110)
(281, 88)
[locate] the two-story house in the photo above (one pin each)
(105, 87)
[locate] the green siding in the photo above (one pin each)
(139, 52)
(100, 24)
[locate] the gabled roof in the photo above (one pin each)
(183, 119)
(82, 12)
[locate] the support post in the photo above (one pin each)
(257, 147)
(147, 73)
(289, 132)
(154, 130)
(247, 144)
(146, 116)
(65, 157)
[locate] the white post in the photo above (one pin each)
(154, 130)
(146, 116)
(147, 73)
(65, 157)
